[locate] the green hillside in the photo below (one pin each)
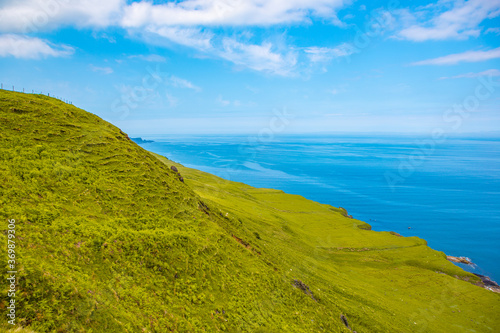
(110, 239)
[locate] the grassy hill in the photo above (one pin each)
(110, 239)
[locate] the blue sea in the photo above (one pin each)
(446, 192)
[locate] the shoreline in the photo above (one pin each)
(488, 283)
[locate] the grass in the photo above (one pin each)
(109, 239)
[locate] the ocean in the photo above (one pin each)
(446, 192)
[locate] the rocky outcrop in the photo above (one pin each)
(174, 169)
(461, 260)
(488, 283)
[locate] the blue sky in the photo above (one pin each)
(244, 66)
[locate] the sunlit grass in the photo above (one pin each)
(110, 240)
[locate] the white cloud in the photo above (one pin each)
(103, 35)
(338, 90)
(253, 89)
(222, 101)
(190, 37)
(325, 54)
(149, 57)
(469, 56)
(39, 15)
(495, 31)
(228, 12)
(489, 72)
(104, 70)
(172, 100)
(180, 23)
(461, 21)
(31, 47)
(182, 83)
(235, 103)
(23, 16)
(258, 57)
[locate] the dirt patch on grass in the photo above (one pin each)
(245, 244)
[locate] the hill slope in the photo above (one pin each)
(109, 239)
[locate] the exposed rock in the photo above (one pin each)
(462, 260)
(302, 286)
(343, 211)
(174, 168)
(125, 135)
(245, 244)
(344, 320)
(181, 179)
(488, 283)
(203, 207)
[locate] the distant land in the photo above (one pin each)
(141, 140)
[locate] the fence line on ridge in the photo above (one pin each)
(4, 87)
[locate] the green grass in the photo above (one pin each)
(110, 240)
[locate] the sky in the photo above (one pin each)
(262, 67)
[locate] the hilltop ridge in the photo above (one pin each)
(111, 239)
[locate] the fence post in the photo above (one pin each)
(2, 85)
(23, 90)
(13, 88)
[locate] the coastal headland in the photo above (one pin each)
(111, 238)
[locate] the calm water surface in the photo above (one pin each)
(448, 194)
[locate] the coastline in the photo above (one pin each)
(488, 283)
(485, 281)
(125, 236)
(382, 215)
